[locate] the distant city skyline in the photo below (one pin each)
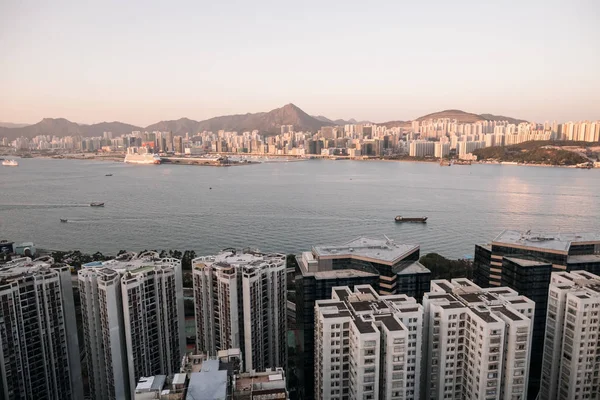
(144, 62)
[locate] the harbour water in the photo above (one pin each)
(287, 207)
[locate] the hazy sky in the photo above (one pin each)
(144, 61)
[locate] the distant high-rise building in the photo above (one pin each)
(327, 132)
(368, 346)
(477, 342)
(178, 144)
(240, 302)
(441, 150)
(421, 148)
(39, 357)
(524, 262)
(133, 321)
(415, 126)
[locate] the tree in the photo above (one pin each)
(186, 259)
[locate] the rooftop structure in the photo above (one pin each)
(37, 324)
(208, 384)
(205, 377)
(548, 241)
(381, 251)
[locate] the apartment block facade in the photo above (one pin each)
(389, 267)
(39, 353)
(367, 346)
(571, 368)
(477, 342)
(240, 302)
(133, 321)
(524, 261)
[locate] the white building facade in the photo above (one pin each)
(367, 346)
(39, 353)
(133, 321)
(478, 341)
(240, 302)
(570, 368)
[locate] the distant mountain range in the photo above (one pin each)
(265, 122)
(468, 118)
(11, 125)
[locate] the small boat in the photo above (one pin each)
(10, 163)
(108, 175)
(96, 204)
(445, 163)
(64, 220)
(400, 218)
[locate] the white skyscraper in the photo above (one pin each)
(367, 346)
(478, 341)
(441, 149)
(240, 301)
(133, 321)
(571, 347)
(421, 148)
(39, 353)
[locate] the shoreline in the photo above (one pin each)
(282, 159)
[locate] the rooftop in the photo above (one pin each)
(209, 384)
(24, 266)
(381, 250)
(524, 262)
(587, 258)
(240, 258)
(484, 303)
(342, 273)
(151, 384)
(364, 307)
(134, 263)
(412, 268)
(271, 381)
(548, 241)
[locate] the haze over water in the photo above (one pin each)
(287, 206)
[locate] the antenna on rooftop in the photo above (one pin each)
(388, 239)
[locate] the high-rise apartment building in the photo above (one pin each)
(441, 150)
(240, 302)
(39, 357)
(524, 261)
(570, 368)
(477, 341)
(421, 148)
(133, 321)
(315, 282)
(367, 346)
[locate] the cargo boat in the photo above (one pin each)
(400, 218)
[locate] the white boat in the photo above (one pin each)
(141, 156)
(10, 163)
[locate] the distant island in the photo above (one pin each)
(541, 153)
